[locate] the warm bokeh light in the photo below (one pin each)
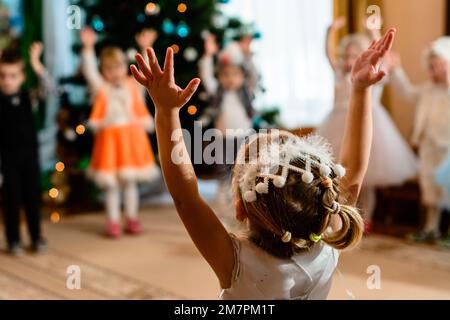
(150, 8)
(182, 7)
(60, 167)
(53, 193)
(175, 48)
(80, 129)
(55, 217)
(192, 110)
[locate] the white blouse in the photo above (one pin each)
(258, 275)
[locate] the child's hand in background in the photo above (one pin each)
(339, 23)
(166, 94)
(366, 68)
(88, 38)
(35, 52)
(146, 38)
(392, 61)
(246, 45)
(211, 46)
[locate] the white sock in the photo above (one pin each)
(131, 200)
(112, 203)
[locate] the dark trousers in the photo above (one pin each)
(21, 188)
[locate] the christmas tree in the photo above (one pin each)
(177, 24)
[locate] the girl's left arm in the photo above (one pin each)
(202, 224)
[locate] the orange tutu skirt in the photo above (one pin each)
(122, 154)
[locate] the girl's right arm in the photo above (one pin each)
(202, 224)
(356, 146)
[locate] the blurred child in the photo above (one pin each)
(392, 162)
(122, 154)
(231, 96)
(19, 156)
(431, 129)
(230, 92)
(287, 189)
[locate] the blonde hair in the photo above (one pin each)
(112, 54)
(302, 209)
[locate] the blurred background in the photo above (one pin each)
(295, 90)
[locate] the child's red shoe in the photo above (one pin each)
(113, 229)
(133, 227)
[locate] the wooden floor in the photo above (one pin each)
(163, 264)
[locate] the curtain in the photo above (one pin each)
(291, 56)
(58, 59)
(447, 17)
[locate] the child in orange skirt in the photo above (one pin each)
(122, 154)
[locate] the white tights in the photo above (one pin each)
(130, 200)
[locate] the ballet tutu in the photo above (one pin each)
(392, 162)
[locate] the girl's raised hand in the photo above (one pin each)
(339, 23)
(160, 84)
(366, 68)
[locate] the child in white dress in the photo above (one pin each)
(293, 197)
(392, 162)
(431, 129)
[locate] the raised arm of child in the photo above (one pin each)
(47, 84)
(36, 49)
(338, 24)
(89, 66)
(400, 80)
(357, 140)
(206, 65)
(205, 229)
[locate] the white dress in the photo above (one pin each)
(431, 131)
(392, 162)
(258, 275)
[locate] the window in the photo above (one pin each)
(291, 56)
